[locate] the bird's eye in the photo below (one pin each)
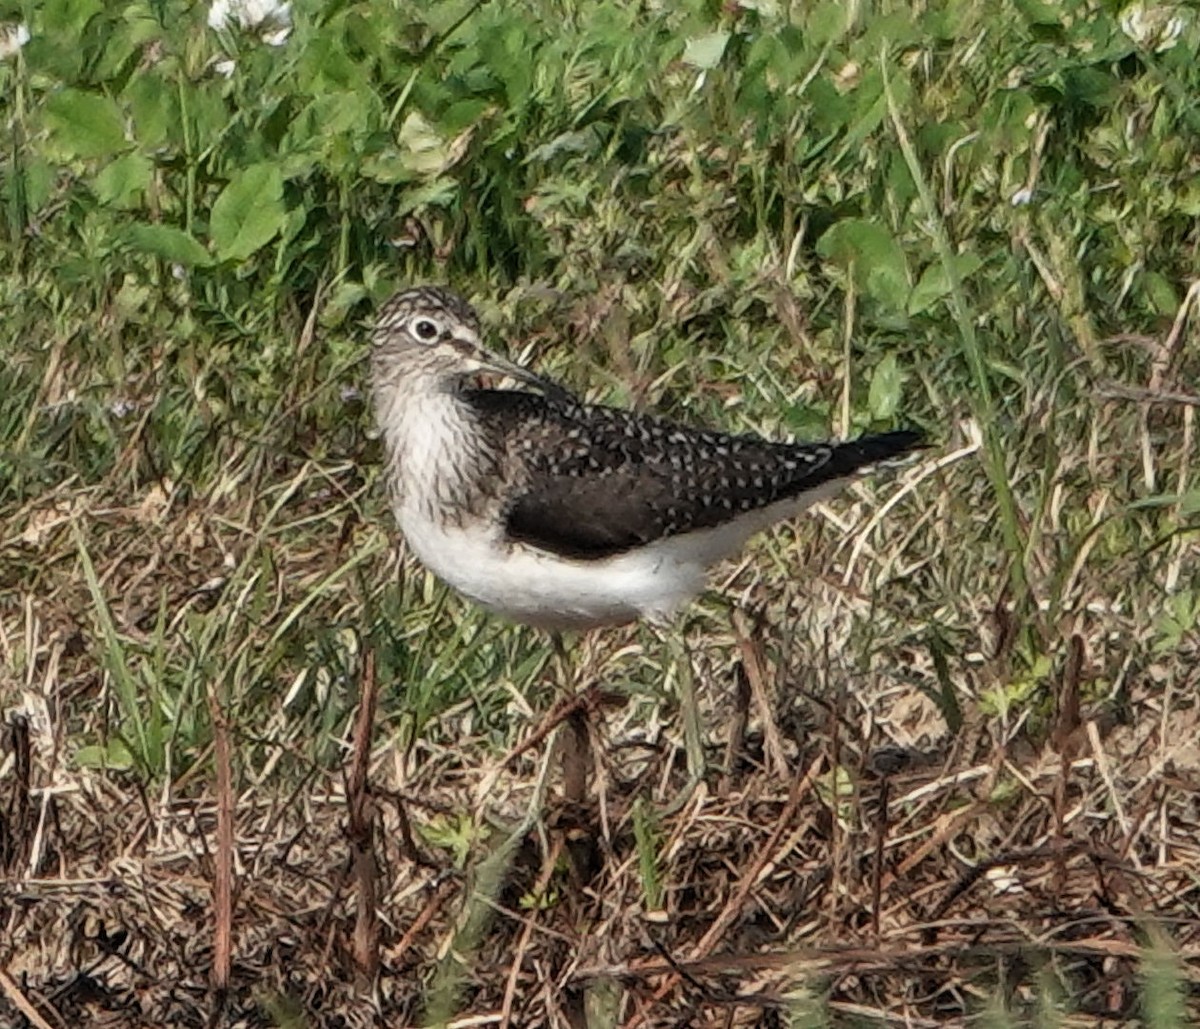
(425, 329)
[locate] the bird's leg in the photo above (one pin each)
(693, 739)
(573, 741)
(565, 681)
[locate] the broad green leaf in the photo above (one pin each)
(896, 30)
(123, 41)
(296, 219)
(706, 51)
(807, 421)
(209, 115)
(85, 124)
(1089, 86)
(831, 113)
(422, 148)
(510, 55)
(331, 122)
(154, 106)
(122, 182)
(68, 17)
(827, 22)
(934, 284)
(38, 177)
(249, 213)
(875, 259)
(884, 394)
(169, 243)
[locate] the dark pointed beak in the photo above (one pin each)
(489, 363)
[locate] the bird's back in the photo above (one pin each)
(589, 482)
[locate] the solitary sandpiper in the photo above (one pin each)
(562, 514)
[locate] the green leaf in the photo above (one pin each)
(344, 297)
(169, 243)
(884, 394)
(934, 283)
(827, 23)
(455, 832)
(1089, 86)
(209, 119)
(1164, 995)
(706, 51)
(438, 193)
(116, 756)
(875, 259)
(249, 213)
(122, 182)
(1038, 13)
(1176, 620)
(154, 106)
(423, 150)
(647, 839)
(1160, 292)
(68, 17)
(38, 181)
(1001, 700)
(388, 167)
(85, 124)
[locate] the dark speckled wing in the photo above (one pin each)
(599, 481)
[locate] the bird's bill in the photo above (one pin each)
(493, 364)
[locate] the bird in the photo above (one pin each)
(562, 514)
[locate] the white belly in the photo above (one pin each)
(542, 589)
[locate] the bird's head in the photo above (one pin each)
(431, 332)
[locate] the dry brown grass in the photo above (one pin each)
(1029, 855)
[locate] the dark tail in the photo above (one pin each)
(859, 454)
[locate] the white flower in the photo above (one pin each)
(1154, 28)
(1021, 197)
(12, 38)
(219, 15)
(270, 19)
(225, 66)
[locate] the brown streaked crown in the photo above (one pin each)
(437, 302)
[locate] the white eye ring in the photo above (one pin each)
(426, 329)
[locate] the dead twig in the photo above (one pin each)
(362, 829)
(21, 1002)
(222, 887)
(749, 639)
(1142, 395)
(559, 713)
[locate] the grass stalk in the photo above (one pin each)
(983, 405)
